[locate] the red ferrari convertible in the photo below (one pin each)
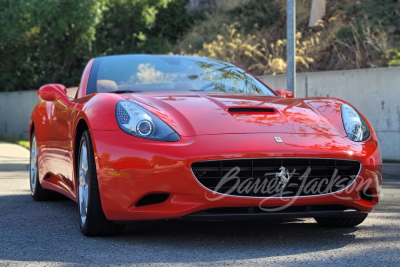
(174, 137)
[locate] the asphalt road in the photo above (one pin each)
(47, 234)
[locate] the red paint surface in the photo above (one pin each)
(309, 128)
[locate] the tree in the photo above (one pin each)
(50, 41)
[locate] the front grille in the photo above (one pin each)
(265, 177)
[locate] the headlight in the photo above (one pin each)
(355, 126)
(137, 121)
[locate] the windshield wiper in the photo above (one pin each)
(124, 91)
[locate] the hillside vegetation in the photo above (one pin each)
(48, 41)
(353, 34)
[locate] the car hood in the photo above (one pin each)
(207, 113)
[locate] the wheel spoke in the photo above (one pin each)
(33, 165)
(83, 194)
(86, 197)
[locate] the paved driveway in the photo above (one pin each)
(47, 234)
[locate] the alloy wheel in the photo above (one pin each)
(33, 165)
(83, 190)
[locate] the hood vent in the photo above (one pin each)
(251, 110)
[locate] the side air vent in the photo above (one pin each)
(367, 195)
(251, 110)
(152, 199)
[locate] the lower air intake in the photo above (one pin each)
(152, 199)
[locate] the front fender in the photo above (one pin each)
(98, 111)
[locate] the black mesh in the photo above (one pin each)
(249, 175)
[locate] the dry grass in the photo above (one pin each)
(339, 41)
(256, 52)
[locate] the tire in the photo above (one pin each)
(92, 220)
(349, 221)
(37, 191)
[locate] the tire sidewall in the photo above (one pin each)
(96, 223)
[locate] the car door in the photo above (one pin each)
(69, 145)
(58, 140)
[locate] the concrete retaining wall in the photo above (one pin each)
(375, 92)
(15, 112)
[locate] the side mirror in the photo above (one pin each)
(284, 93)
(53, 92)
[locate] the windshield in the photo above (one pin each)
(142, 73)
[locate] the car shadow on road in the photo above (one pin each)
(49, 231)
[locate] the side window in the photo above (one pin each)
(71, 92)
(82, 89)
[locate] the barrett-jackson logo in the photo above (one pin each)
(281, 184)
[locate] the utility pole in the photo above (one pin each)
(291, 46)
(318, 9)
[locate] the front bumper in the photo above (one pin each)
(130, 168)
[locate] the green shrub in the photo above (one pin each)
(255, 15)
(45, 41)
(50, 41)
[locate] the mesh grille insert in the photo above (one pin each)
(266, 178)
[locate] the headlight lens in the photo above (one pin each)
(144, 128)
(137, 121)
(355, 126)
